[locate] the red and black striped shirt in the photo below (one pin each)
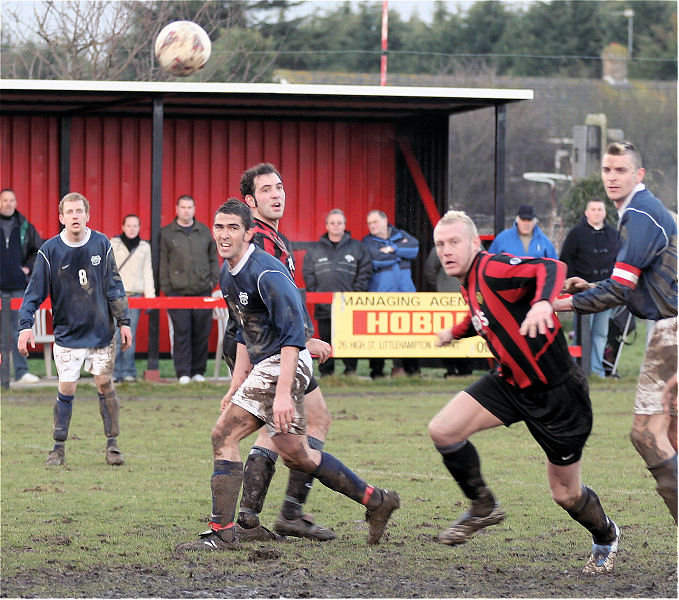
(274, 243)
(499, 291)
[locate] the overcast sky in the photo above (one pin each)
(423, 8)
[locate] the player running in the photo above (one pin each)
(537, 382)
(272, 370)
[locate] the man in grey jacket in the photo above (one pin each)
(188, 267)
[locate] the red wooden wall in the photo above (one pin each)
(324, 165)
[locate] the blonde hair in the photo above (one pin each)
(459, 216)
(623, 148)
(74, 197)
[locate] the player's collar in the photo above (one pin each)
(623, 207)
(88, 234)
(241, 263)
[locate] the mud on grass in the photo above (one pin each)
(303, 569)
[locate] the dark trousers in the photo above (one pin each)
(192, 328)
(328, 367)
(410, 365)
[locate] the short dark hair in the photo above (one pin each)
(3, 190)
(233, 206)
(622, 148)
(131, 216)
(186, 197)
(247, 180)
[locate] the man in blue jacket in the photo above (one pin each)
(525, 238)
(644, 279)
(392, 252)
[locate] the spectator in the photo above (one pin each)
(589, 252)
(336, 263)
(77, 269)
(437, 280)
(392, 252)
(188, 267)
(19, 244)
(133, 257)
(525, 238)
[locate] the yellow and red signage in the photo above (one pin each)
(398, 325)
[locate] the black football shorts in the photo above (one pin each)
(559, 418)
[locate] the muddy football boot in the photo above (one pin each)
(303, 527)
(114, 456)
(56, 457)
(463, 529)
(602, 559)
(255, 534)
(377, 517)
(215, 538)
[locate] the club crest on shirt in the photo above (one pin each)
(95, 260)
(514, 260)
(479, 297)
(243, 298)
(349, 258)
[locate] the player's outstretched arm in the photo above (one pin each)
(573, 285)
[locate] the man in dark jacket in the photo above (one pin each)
(188, 267)
(19, 243)
(336, 263)
(589, 251)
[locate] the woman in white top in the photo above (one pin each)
(133, 257)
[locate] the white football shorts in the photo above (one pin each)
(98, 361)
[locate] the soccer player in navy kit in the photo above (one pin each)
(537, 382)
(644, 279)
(272, 371)
(262, 189)
(78, 271)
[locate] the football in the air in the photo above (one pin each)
(182, 48)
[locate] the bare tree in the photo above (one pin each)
(72, 40)
(113, 40)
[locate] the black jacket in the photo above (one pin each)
(344, 267)
(189, 265)
(19, 251)
(588, 252)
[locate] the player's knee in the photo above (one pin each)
(104, 384)
(220, 436)
(440, 433)
(643, 440)
(298, 462)
(565, 497)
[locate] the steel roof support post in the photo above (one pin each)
(500, 155)
(5, 341)
(153, 371)
(64, 158)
